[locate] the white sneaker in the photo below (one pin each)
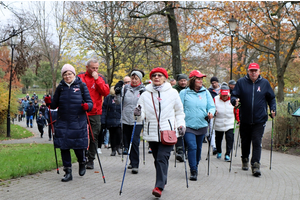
(99, 151)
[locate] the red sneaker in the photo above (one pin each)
(156, 192)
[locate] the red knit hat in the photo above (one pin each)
(161, 70)
(197, 74)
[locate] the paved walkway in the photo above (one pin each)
(282, 182)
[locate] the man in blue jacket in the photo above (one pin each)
(254, 94)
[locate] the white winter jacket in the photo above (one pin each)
(169, 111)
(224, 120)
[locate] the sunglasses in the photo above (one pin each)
(154, 75)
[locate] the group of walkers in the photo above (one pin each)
(188, 109)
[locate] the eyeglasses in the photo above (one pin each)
(69, 74)
(154, 75)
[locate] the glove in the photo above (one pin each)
(137, 111)
(118, 87)
(85, 106)
(181, 130)
(103, 126)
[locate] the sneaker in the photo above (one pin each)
(204, 140)
(49, 139)
(90, 165)
(193, 176)
(125, 152)
(227, 158)
(113, 153)
(150, 150)
(129, 166)
(215, 151)
(135, 170)
(99, 151)
(157, 192)
(219, 155)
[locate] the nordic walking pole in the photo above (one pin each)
(237, 142)
(271, 141)
(128, 155)
(184, 159)
(52, 128)
(232, 145)
(95, 145)
(143, 151)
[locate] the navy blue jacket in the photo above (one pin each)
(30, 110)
(71, 124)
(254, 99)
(111, 112)
(41, 121)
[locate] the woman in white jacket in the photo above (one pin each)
(224, 121)
(170, 114)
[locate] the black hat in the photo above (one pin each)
(182, 76)
(214, 79)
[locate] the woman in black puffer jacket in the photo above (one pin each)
(71, 124)
(110, 119)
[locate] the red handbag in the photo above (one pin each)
(167, 137)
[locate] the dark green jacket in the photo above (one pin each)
(178, 88)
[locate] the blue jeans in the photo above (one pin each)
(194, 147)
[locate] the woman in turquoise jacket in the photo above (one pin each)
(198, 104)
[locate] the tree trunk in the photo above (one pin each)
(176, 58)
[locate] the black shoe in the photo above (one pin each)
(215, 151)
(204, 141)
(90, 165)
(135, 170)
(179, 157)
(68, 175)
(125, 152)
(193, 176)
(129, 166)
(113, 153)
(82, 169)
(30, 126)
(245, 164)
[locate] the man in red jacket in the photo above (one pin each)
(98, 89)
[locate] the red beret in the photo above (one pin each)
(161, 70)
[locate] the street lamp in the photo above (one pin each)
(232, 27)
(13, 37)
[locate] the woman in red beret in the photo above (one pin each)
(160, 102)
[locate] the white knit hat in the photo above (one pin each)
(67, 67)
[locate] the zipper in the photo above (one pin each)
(148, 128)
(253, 88)
(170, 124)
(159, 112)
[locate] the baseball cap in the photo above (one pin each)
(253, 66)
(196, 73)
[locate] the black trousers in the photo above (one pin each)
(49, 129)
(95, 121)
(161, 154)
(229, 136)
(41, 129)
(115, 136)
(66, 156)
(252, 133)
(134, 152)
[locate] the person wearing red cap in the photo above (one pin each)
(198, 105)
(224, 121)
(170, 115)
(98, 88)
(253, 93)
